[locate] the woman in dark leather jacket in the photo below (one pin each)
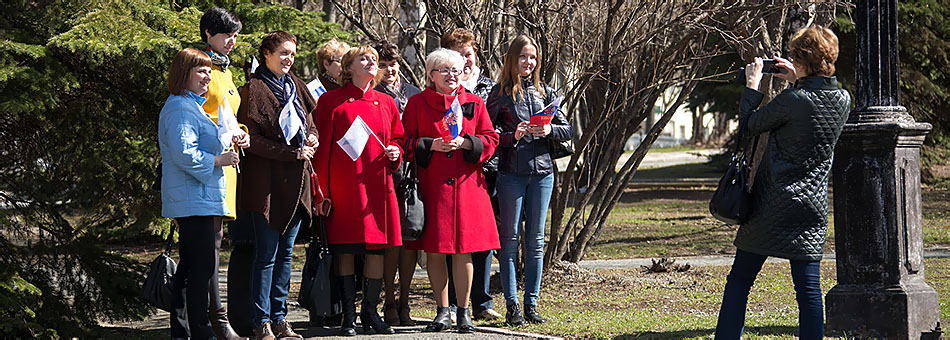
(790, 194)
(525, 170)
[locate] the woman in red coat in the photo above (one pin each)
(365, 215)
(458, 212)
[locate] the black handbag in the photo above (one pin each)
(157, 289)
(413, 212)
(732, 201)
(320, 290)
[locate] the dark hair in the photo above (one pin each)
(458, 37)
(388, 51)
(816, 48)
(273, 39)
(218, 20)
(182, 64)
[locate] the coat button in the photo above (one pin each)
(450, 181)
(376, 102)
(350, 100)
(448, 154)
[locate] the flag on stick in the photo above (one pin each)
(451, 124)
(354, 140)
(316, 88)
(544, 116)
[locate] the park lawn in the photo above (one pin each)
(676, 222)
(627, 303)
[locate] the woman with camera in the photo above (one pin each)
(789, 216)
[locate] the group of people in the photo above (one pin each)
(477, 184)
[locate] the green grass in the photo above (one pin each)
(629, 303)
(694, 170)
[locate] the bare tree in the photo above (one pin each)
(611, 58)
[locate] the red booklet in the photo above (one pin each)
(540, 119)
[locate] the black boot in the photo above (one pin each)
(348, 325)
(442, 320)
(369, 316)
(513, 316)
(464, 323)
(531, 314)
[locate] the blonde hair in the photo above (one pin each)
(441, 57)
(510, 79)
(816, 48)
(349, 57)
(329, 50)
(180, 71)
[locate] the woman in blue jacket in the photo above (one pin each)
(193, 187)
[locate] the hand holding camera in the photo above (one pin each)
(751, 74)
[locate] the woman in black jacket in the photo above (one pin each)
(790, 191)
(525, 170)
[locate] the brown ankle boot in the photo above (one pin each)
(263, 332)
(282, 330)
(220, 325)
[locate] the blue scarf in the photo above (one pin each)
(284, 89)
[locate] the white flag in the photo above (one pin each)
(254, 65)
(355, 138)
(316, 88)
(289, 121)
(227, 125)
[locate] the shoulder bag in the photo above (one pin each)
(732, 201)
(320, 290)
(413, 217)
(157, 289)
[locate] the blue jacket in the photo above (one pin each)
(188, 139)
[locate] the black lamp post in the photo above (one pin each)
(881, 290)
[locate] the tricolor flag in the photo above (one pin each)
(289, 120)
(452, 123)
(227, 125)
(544, 116)
(316, 88)
(355, 138)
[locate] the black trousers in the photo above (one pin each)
(196, 266)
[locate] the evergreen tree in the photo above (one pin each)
(924, 48)
(81, 86)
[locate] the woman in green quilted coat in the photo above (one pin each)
(790, 192)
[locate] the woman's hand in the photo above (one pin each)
(243, 140)
(790, 74)
(442, 146)
(540, 130)
(227, 159)
(464, 143)
(312, 141)
(305, 153)
(521, 130)
(753, 74)
(392, 152)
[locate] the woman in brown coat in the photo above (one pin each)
(275, 185)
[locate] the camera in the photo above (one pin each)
(768, 66)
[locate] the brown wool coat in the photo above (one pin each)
(273, 181)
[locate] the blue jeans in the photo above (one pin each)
(533, 193)
(270, 278)
(746, 266)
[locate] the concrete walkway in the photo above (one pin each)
(299, 317)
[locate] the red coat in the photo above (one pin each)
(459, 217)
(365, 208)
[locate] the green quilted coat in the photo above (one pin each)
(790, 193)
